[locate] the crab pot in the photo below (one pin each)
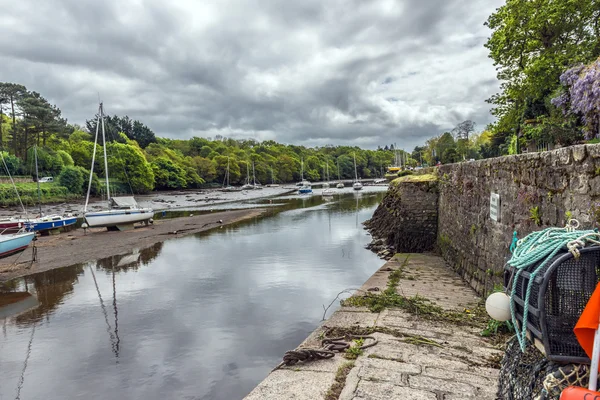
(559, 293)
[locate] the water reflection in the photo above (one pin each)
(203, 316)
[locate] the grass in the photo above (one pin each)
(416, 305)
(355, 350)
(416, 178)
(50, 193)
(340, 380)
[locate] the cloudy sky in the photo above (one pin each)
(311, 72)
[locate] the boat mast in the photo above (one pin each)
(227, 174)
(105, 159)
(37, 178)
(302, 169)
(87, 197)
(355, 173)
(253, 175)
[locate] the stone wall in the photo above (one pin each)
(536, 190)
(407, 216)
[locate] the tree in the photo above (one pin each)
(142, 134)
(168, 175)
(444, 143)
(11, 93)
(531, 43)
(128, 164)
(72, 179)
(464, 129)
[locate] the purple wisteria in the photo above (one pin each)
(582, 94)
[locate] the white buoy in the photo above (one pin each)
(84, 225)
(497, 306)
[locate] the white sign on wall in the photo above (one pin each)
(495, 206)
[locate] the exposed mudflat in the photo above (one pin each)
(76, 247)
(158, 201)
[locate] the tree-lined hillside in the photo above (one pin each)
(138, 160)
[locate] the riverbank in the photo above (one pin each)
(76, 247)
(429, 345)
(158, 201)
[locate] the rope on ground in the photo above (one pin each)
(330, 346)
(540, 247)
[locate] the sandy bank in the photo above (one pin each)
(75, 247)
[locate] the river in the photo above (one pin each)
(198, 317)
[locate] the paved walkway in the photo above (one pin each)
(458, 365)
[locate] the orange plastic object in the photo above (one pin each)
(578, 393)
(588, 323)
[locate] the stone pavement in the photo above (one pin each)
(448, 361)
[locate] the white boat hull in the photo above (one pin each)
(112, 218)
(357, 186)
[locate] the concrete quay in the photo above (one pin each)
(416, 357)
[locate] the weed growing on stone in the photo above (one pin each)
(340, 380)
(416, 305)
(494, 328)
(534, 215)
(355, 350)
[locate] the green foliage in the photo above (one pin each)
(66, 158)
(50, 192)
(12, 162)
(167, 174)
(404, 172)
(95, 188)
(72, 179)
(531, 44)
(355, 350)
(128, 165)
(494, 328)
(535, 216)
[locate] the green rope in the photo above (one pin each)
(542, 246)
(513, 245)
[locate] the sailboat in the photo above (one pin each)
(273, 184)
(15, 242)
(356, 185)
(46, 223)
(326, 190)
(122, 212)
(340, 184)
(248, 185)
(226, 186)
(305, 186)
(42, 223)
(254, 184)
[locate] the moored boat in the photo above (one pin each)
(356, 185)
(122, 212)
(15, 242)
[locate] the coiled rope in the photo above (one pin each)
(543, 246)
(329, 347)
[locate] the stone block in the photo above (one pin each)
(387, 391)
(296, 385)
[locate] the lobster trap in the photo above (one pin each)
(559, 293)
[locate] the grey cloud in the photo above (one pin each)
(307, 72)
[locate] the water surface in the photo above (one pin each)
(198, 317)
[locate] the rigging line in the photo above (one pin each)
(108, 327)
(13, 182)
(22, 378)
(87, 197)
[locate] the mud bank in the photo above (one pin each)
(76, 247)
